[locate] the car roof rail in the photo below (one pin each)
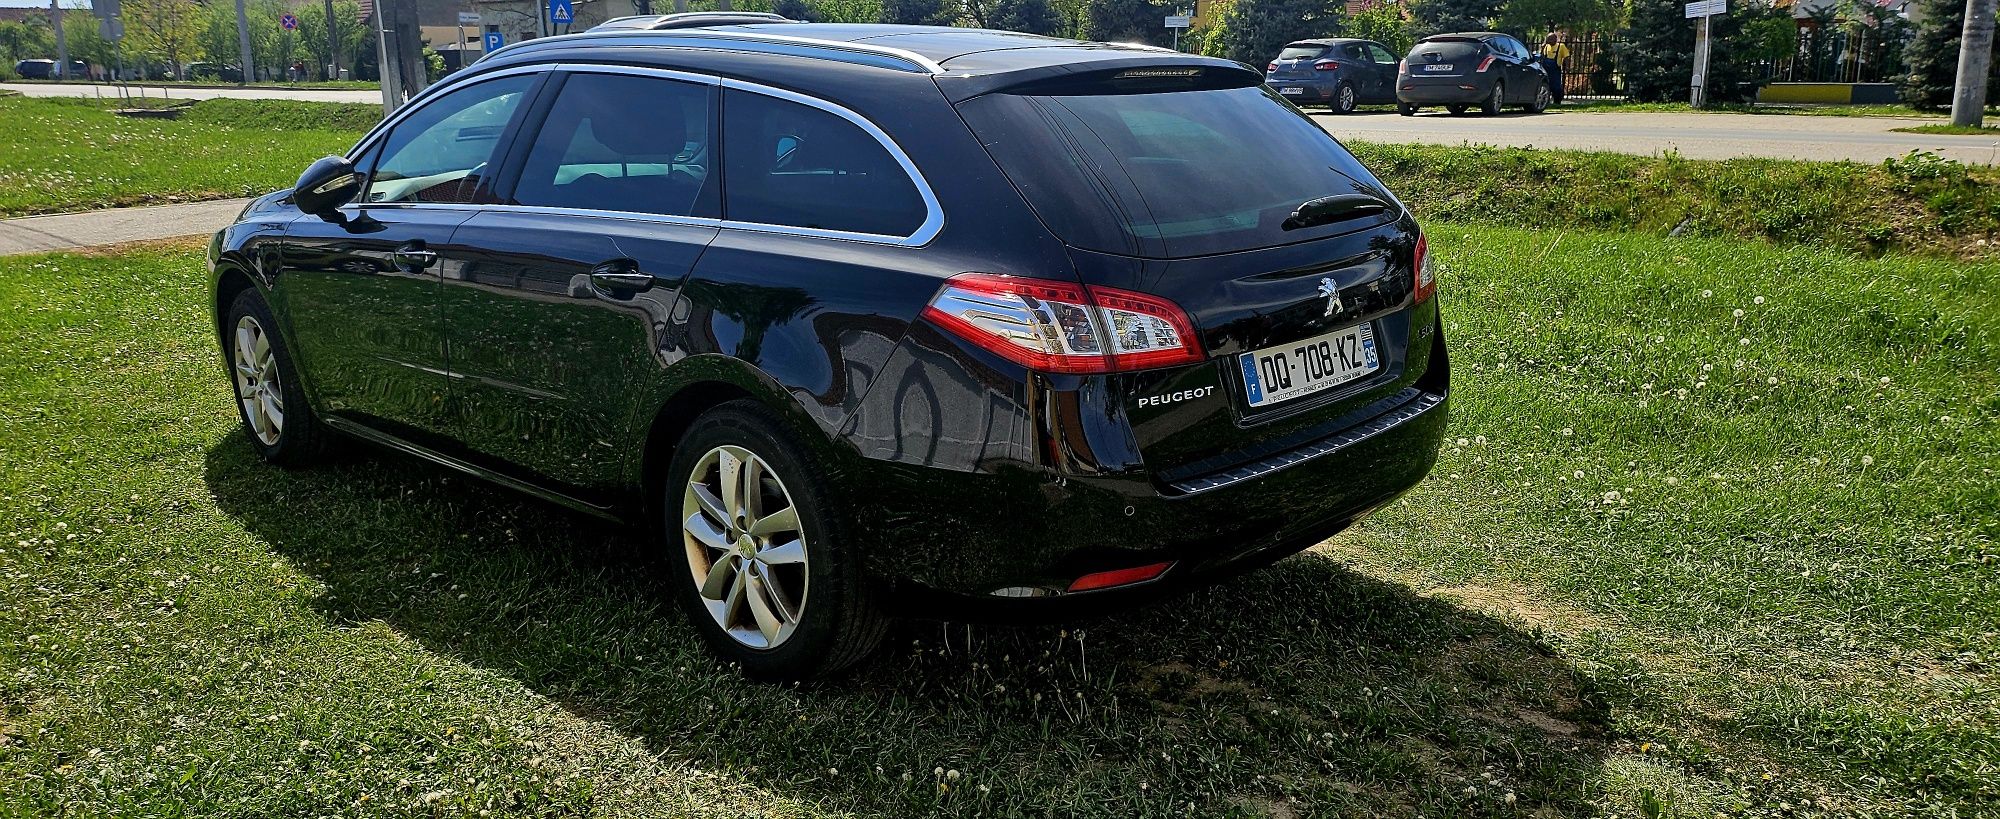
(740, 40)
(690, 19)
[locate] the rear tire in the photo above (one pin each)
(1344, 99)
(270, 402)
(1491, 107)
(1406, 109)
(772, 581)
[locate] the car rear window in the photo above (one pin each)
(1448, 49)
(1299, 50)
(1169, 174)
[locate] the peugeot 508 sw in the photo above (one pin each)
(862, 319)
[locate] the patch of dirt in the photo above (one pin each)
(142, 245)
(1521, 607)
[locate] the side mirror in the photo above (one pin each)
(326, 185)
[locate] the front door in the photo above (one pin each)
(1384, 65)
(360, 288)
(563, 320)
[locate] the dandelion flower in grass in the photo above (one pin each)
(1773, 381)
(1567, 431)
(1579, 474)
(1738, 312)
(1708, 368)
(1867, 460)
(1707, 293)
(1611, 496)
(1743, 341)
(1673, 482)
(1757, 300)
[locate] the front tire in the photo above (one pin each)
(769, 577)
(1491, 107)
(1344, 99)
(1406, 109)
(1542, 100)
(269, 400)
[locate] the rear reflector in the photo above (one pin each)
(1326, 65)
(1062, 327)
(1119, 577)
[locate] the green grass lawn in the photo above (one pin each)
(72, 154)
(1942, 128)
(1676, 560)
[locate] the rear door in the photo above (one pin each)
(564, 315)
(1189, 195)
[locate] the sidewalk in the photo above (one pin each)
(66, 231)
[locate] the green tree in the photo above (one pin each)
(1931, 58)
(1544, 16)
(919, 12)
(846, 11)
(1440, 16)
(794, 9)
(355, 44)
(1031, 16)
(1656, 53)
(1384, 24)
(29, 39)
(1254, 31)
(1127, 21)
(169, 30)
(1742, 41)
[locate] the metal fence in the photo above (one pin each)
(1839, 55)
(1590, 68)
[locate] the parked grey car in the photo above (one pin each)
(1338, 72)
(1481, 69)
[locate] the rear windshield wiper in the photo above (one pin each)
(1333, 209)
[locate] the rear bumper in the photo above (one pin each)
(949, 540)
(1442, 94)
(1315, 89)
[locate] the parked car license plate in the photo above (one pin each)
(1438, 67)
(1292, 90)
(1288, 371)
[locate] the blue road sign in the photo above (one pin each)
(289, 23)
(561, 13)
(494, 41)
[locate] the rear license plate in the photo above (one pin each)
(1291, 90)
(1288, 371)
(1440, 67)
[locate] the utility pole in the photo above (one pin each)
(63, 44)
(332, 44)
(243, 45)
(1975, 53)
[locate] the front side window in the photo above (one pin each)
(626, 143)
(790, 164)
(441, 152)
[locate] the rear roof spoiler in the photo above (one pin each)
(1122, 74)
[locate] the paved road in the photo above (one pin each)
(64, 231)
(1696, 136)
(85, 89)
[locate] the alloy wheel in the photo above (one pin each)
(1346, 99)
(257, 386)
(745, 548)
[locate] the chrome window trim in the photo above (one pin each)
(919, 62)
(926, 231)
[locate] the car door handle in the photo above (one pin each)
(622, 276)
(415, 256)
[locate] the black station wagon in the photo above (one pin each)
(864, 320)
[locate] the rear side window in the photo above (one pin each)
(787, 163)
(621, 142)
(1297, 51)
(1170, 174)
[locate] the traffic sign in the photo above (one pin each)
(561, 13)
(494, 41)
(289, 22)
(1706, 8)
(468, 18)
(1179, 21)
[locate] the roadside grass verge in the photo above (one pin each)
(73, 154)
(1943, 128)
(1674, 562)
(1921, 203)
(286, 115)
(1777, 109)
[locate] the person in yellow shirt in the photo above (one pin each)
(1554, 56)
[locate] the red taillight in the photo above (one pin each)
(1484, 63)
(1272, 67)
(1119, 577)
(1059, 327)
(1426, 281)
(1399, 66)
(1326, 65)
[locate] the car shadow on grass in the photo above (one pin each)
(1301, 689)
